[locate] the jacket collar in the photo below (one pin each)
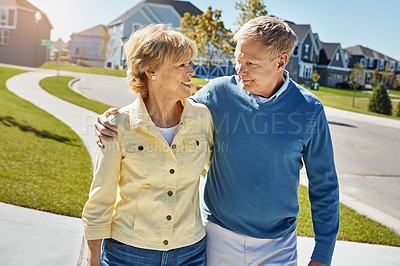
(138, 115)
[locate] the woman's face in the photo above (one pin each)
(175, 80)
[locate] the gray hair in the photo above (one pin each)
(274, 33)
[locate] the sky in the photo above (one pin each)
(370, 23)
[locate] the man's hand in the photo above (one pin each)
(316, 263)
(105, 130)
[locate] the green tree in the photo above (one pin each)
(397, 82)
(387, 75)
(375, 77)
(315, 77)
(379, 101)
(356, 78)
(249, 9)
(213, 40)
(398, 110)
(107, 44)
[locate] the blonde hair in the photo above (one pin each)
(274, 33)
(151, 48)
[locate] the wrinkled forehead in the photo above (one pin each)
(251, 50)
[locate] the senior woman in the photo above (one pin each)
(143, 206)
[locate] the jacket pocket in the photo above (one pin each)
(141, 158)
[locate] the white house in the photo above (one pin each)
(144, 13)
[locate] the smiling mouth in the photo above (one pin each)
(187, 84)
(246, 82)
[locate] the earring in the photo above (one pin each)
(153, 77)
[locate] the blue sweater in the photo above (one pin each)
(252, 183)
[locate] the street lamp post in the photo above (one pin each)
(38, 18)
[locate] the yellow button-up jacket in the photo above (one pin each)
(144, 192)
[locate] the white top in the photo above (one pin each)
(168, 133)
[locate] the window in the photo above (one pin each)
(3, 16)
(4, 37)
(306, 47)
(307, 71)
(392, 65)
(398, 66)
(337, 56)
(296, 51)
(7, 18)
(363, 61)
(135, 26)
(371, 62)
(382, 64)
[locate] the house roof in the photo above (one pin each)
(300, 30)
(96, 31)
(180, 6)
(330, 48)
(361, 50)
(25, 5)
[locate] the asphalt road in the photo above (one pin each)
(368, 162)
(367, 156)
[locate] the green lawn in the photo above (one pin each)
(61, 89)
(343, 99)
(353, 226)
(44, 165)
(91, 70)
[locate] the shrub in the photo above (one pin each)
(398, 110)
(380, 102)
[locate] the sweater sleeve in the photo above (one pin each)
(323, 189)
(98, 210)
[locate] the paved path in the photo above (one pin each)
(44, 238)
(47, 232)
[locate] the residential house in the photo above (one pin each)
(85, 47)
(22, 27)
(371, 60)
(304, 58)
(144, 13)
(331, 64)
(312, 54)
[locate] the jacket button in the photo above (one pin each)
(172, 171)
(140, 148)
(173, 146)
(170, 193)
(169, 217)
(165, 242)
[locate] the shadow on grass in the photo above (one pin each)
(9, 121)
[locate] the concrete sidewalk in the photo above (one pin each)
(30, 237)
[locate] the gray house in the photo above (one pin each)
(331, 64)
(22, 27)
(144, 13)
(85, 46)
(304, 58)
(371, 60)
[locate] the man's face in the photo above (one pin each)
(257, 72)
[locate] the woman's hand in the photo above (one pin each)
(94, 249)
